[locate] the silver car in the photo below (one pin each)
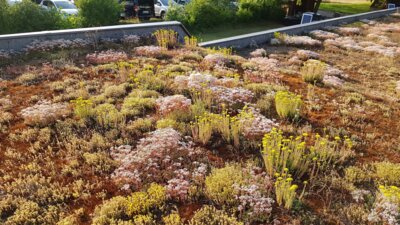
(63, 6)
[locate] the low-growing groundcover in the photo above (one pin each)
(303, 130)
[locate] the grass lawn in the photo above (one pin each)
(347, 8)
(229, 30)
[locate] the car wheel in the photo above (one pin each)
(162, 15)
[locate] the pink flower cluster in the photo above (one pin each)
(162, 156)
(367, 46)
(178, 189)
(260, 52)
(106, 57)
(385, 212)
(197, 81)
(231, 96)
(40, 45)
(148, 51)
(323, 35)
(307, 54)
(345, 30)
(253, 196)
(45, 112)
(166, 105)
(257, 126)
(296, 41)
(216, 59)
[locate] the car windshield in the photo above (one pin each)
(166, 2)
(64, 5)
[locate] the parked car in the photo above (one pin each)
(146, 9)
(63, 6)
(161, 7)
(12, 2)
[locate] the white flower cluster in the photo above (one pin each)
(334, 76)
(106, 57)
(323, 35)
(148, 51)
(231, 96)
(195, 81)
(296, 41)
(172, 103)
(257, 126)
(253, 195)
(45, 112)
(40, 45)
(359, 195)
(344, 30)
(178, 189)
(260, 52)
(381, 39)
(307, 54)
(385, 212)
(350, 44)
(266, 64)
(216, 59)
(131, 39)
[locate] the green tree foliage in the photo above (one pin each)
(27, 16)
(99, 12)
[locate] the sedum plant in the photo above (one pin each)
(211, 216)
(141, 202)
(294, 154)
(82, 107)
(313, 71)
(285, 191)
(287, 104)
(220, 184)
(166, 38)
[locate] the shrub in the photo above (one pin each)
(135, 106)
(212, 216)
(313, 71)
(256, 10)
(142, 202)
(388, 173)
(220, 184)
(99, 12)
(172, 219)
(115, 91)
(177, 12)
(139, 126)
(287, 104)
(110, 211)
(199, 11)
(27, 16)
(29, 78)
(82, 108)
(107, 115)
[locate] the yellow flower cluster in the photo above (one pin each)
(287, 104)
(293, 153)
(166, 38)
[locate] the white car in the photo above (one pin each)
(63, 6)
(161, 7)
(12, 2)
